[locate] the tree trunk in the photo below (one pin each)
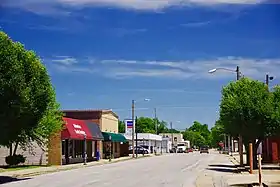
(11, 149)
(15, 149)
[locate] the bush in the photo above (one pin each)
(15, 160)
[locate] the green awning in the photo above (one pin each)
(114, 137)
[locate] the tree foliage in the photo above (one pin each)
(28, 108)
(246, 109)
(149, 125)
(198, 134)
(217, 134)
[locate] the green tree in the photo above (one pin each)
(146, 125)
(194, 137)
(202, 130)
(273, 127)
(217, 134)
(28, 108)
(121, 127)
(246, 109)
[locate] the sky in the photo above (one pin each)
(102, 54)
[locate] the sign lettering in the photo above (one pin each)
(77, 126)
(80, 132)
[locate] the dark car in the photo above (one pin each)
(139, 150)
(204, 149)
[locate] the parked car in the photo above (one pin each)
(204, 149)
(139, 150)
(189, 150)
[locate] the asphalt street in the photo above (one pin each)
(174, 170)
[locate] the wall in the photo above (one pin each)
(39, 156)
(179, 137)
(55, 150)
(109, 123)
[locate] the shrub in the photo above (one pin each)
(15, 160)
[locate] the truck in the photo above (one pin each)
(181, 147)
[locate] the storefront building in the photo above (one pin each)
(107, 121)
(271, 150)
(78, 137)
(152, 141)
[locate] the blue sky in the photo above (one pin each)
(101, 54)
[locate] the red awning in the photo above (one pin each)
(75, 129)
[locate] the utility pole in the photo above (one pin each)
(238, 75)
(267, 79)
(136, 131)
(133, 127)
(156, 125)
(172, 144)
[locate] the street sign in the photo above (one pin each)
(128, 127)
(259, 150)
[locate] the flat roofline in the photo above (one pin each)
(103, 111)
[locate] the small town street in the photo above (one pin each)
(174, 170)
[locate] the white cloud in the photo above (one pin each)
(65, 60)
(188, 69)
(51, 6)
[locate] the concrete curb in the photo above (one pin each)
(30, 173)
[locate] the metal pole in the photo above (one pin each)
(156, 121)
(136, 131)
(85, 149)
(110, 157)
(240, 136)
(267, 78)
(172, 145)
(133, 127)
(251, 157)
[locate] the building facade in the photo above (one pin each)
(108, 123)
(177, 137)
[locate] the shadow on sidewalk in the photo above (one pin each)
(6, 179)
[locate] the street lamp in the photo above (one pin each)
(110, 148)
(85, 149)
(238, 75)
(133, 126)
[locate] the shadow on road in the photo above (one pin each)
(226, 170)
(222, 165)
(6, 179)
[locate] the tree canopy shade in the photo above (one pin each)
(28, 107)
(249, 109)
(246, 108)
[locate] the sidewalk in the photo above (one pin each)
(270, 175)
(52, 169)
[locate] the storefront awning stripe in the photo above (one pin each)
(95, 130)
(114, 137)
(75, 129)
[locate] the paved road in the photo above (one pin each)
(174, 170)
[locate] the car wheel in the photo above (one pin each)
(145, 152)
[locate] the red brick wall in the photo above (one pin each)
(55, 150)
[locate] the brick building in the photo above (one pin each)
(271, 150)
(108, 123)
